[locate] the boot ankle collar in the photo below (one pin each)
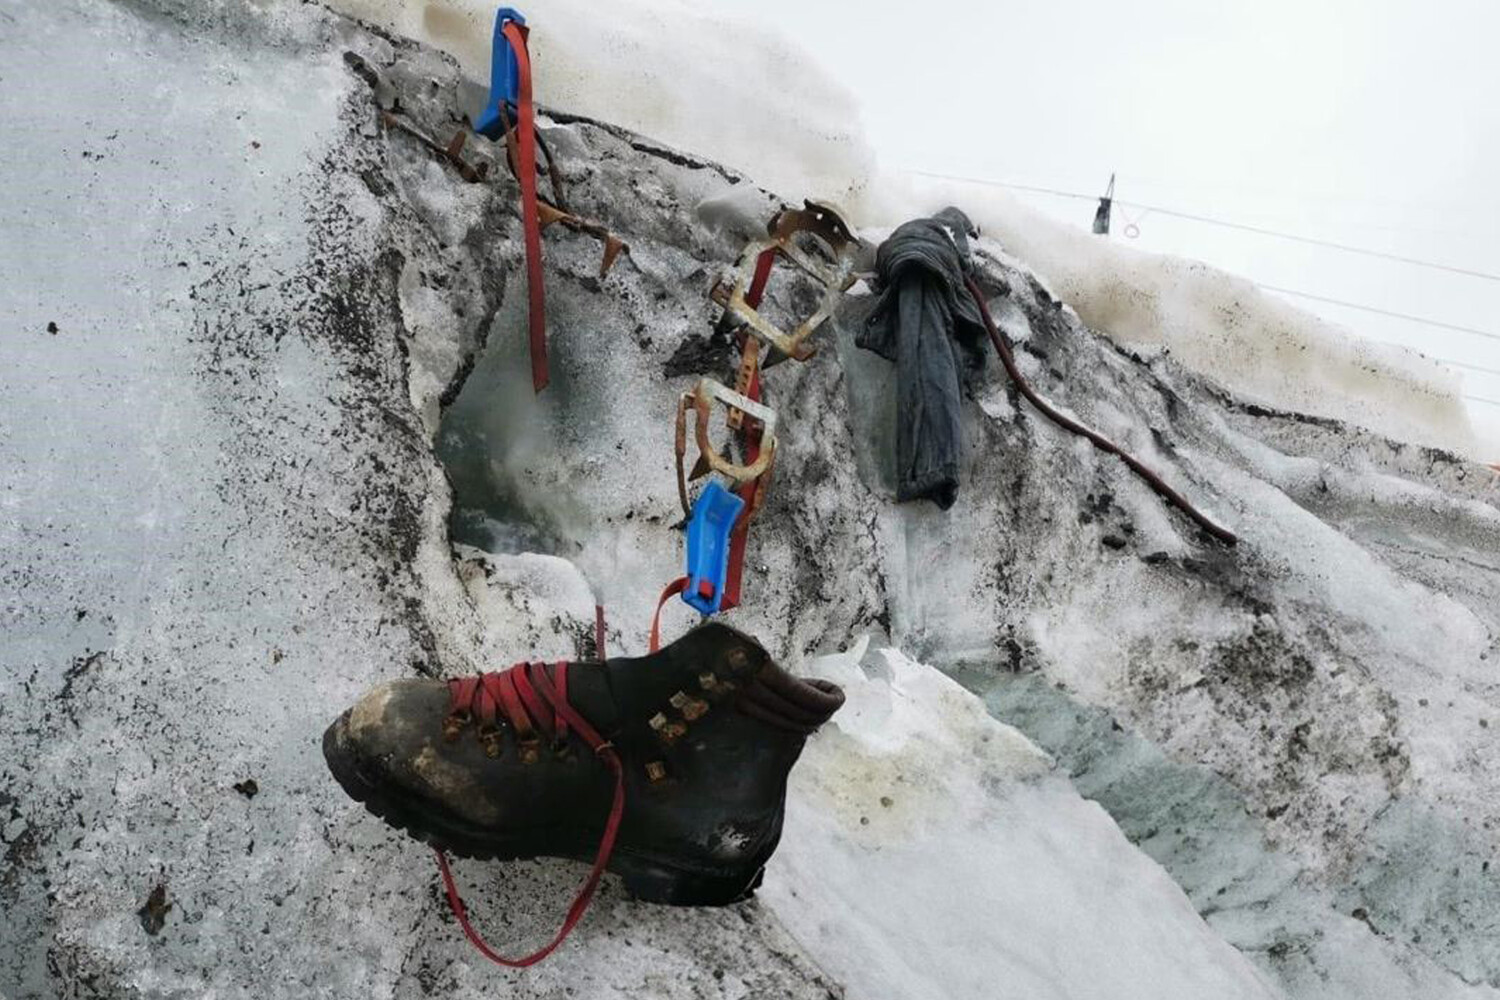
(790, 703)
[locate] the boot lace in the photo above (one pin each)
(534, 699)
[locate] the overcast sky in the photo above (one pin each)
(1375, 124)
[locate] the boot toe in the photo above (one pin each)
(385, 753)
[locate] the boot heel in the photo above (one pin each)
(653, 883)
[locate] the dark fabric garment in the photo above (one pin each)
(925, 322)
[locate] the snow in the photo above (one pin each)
(224, 517)
(1049, 899)
(221, 521)
(1253, 897)
(741, 92)
(730, 98)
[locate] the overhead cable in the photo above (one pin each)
(1228, 224)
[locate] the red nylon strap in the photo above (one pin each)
(506, 693)
(567, 713)
(560, 680)
(461, 692)
(533, 702)
(762, 275)
(530, 219)
(677, 586)
(535, 678)
(741, 533)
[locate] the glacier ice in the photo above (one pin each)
(223, 516)
(610, 66)
(931, 851)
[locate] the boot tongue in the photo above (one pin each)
(591, 695)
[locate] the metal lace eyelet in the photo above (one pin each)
(490, 739)
(667, 731)
(530, 750)
(690, 707)
(453, 724)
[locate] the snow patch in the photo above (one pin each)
(611, 63)
(1213, 322)
(932, 852)
(719, 68)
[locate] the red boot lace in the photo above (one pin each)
(532, 698)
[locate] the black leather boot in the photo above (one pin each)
(702, 734)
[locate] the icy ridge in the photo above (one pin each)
(612, 67)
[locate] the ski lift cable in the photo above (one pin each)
(1146, 209)
(1243, 227)
(1313, 241)
(1463, 364)
(1271, 288)
(1385, 312)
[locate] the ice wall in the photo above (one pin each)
(748, 96)
(221, 521)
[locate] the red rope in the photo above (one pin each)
(1100, 441)
(530, 219)
(530, 684)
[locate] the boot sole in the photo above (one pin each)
(645, 878)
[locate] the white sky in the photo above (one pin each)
(1375, 124)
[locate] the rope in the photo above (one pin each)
(1100, 441)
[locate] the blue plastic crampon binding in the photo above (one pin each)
(505, 78)
(708, 531)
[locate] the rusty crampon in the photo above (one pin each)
(452, 152)
(710, 459)
(831, 265)
(557, 209)
(475, 172)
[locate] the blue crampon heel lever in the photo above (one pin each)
(708, 531)
(505, 78)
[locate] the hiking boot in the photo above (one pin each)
(694, 742)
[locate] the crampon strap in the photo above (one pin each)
(747, 491)
(530, 215)
(533, 698)
(674, 588)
